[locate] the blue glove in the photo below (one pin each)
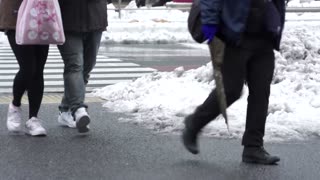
(209, 31)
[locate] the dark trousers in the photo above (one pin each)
(255, 65)
(31, 60)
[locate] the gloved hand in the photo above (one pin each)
(209, 31)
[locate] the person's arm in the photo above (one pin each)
(210, 11)
(210, 17)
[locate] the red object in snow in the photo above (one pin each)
(182, 1)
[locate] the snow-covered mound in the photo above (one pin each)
(160, 101)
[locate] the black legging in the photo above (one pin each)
(31, 59)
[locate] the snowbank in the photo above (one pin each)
(160, 101)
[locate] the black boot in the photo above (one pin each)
(189, 136)
(258, 155)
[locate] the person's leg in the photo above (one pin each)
(36, 85)
(74, 87)
(72, 52)
(28, 58)
(233, 71)
(64, 104)
(91, 43)
(25, 56)
(35, 91)
(259, 77)
(91, 48)
(260, 73)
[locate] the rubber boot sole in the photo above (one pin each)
(258, 161)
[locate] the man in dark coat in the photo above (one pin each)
(250, 31)
(83, 22)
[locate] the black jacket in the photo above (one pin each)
(231, 17)
(84, 15)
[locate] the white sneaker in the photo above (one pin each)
(82, 120)
(35, 128)
(66, 119)
(14, 118)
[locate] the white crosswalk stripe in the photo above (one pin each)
(106, 72)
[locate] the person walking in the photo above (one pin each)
(31, 60)
(250, 30)
(83, 21)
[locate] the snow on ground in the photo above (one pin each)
(160, 101)
(163, 25)
(159, 25)
(303, 3)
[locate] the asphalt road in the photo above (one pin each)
(115, 150)
(163, 57)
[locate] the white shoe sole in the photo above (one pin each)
(39, 133)
(14, 130)
(82, 124)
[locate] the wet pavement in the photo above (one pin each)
(117, 151)
(163, 57)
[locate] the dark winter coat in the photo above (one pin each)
(84, 15)
(8, 14)
(231, 17)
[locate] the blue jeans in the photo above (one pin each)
(79, 54)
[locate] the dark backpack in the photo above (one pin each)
(194, 22)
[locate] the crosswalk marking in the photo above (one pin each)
(12, 59)
(103, 70)
(56, 89)
(60, 83)
(96, 76)
(106, 72)
(60, 65)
